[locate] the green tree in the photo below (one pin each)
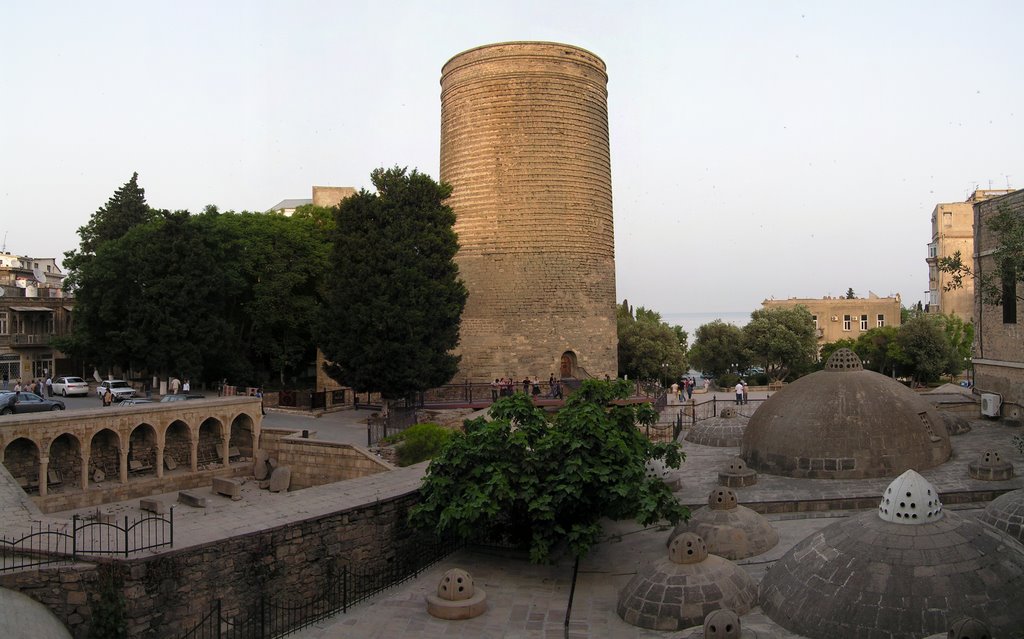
(924, 348)
(879, 350)
(322, 217)
(649, 348)
(719, 348)
(782, 340)
(520, 479)
(394, 299)
(826, 350)
(850, 295)
(1003, 281)
(960, 338)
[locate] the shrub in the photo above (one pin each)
(421, 442)
(727, 381)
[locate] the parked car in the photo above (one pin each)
(180, 398)
(65, 386)
(135, 401)
(26, 402)
(119, 389)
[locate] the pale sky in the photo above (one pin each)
(786, 149)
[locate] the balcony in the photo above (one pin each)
(31, 339)
(933, 252)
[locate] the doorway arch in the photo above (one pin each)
(567, 365)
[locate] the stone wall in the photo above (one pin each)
(998, 345)
(314, 463)
(167, 594)
(524, 144)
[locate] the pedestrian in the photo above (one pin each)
(17, 386)
(186, 387)
(551, 386)
(676, 390)
(536, 387)
(526, 385)
(174, 385)
(6, 380)
(744, 382)
(263, 410)
(690, 383)
(494, 389)
(739, 392)
(108, 397)
(49, 387)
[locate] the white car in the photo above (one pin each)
(119, 388)
(65, 386)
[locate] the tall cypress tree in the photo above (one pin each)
(394, 299)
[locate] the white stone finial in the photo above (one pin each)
(910, 499)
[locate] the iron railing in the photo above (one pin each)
(55, 543)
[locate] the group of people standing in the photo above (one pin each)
(506, 386)
(684, 389)
(741, 392)
(39, 387)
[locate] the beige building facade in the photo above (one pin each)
(33, 311)
(999, 330)
(952, 231)
(837, 318)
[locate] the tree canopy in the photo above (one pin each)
(225, 295)
(649, 348)
(719, 348)
(523, 480)
(394, 299)
(782, 340)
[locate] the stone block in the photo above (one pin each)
(260, 466)
(228, 487)
(104, 516)
(154, 505)
(281, 479)
(191, 499)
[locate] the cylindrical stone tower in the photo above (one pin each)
(524, 144)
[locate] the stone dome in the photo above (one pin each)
(722, 431)
(679, 590)
(907, 578)
(22, 614)
(729, 530)
(955, 424)
(844, 422)
(1006, 513)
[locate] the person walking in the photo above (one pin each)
(49, 387)
(494, 389)
(739, 392)
(174, 385)
(186, 387)
(690, 383)
(744, 382)
(7, 379)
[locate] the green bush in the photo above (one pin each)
(421, 442)
(727, 381)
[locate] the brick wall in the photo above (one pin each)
(314, 463)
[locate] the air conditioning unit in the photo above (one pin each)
(990, 404)
(835, 318)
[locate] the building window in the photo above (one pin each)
(3, 323)
(863, 322)
(881, 320)
(1009, 294)
(846, 322)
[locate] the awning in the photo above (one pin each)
(29, 309)
(68, 308)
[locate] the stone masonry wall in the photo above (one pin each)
(524, 144)
(314, 463)
(998, 346)
(167, 594)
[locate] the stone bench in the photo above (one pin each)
(154, 506)
(228, 487)
(191, 499)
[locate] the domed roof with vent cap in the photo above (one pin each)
(896, 580)
(844, 422)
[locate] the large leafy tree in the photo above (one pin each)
(649, 348)
(960, 337)
(521, 479)
(394, 299)
(924, 348)
(782, 340)
(719, 348)
(880, 351)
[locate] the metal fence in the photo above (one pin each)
(692, 411)
(280, 618)
(55, 543)
(397, 418)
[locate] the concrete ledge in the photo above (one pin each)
(154, 506)
(228, 487)
(191, 499)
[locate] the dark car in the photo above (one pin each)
(26, 402)
(180, 398)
